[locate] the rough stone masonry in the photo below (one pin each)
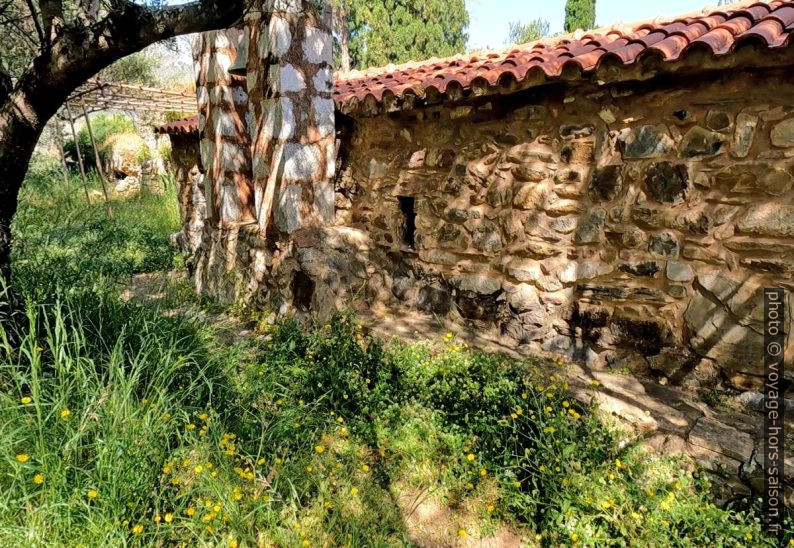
(625, 223)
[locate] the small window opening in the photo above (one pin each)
(408, 209)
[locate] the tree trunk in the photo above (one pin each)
(78, 53)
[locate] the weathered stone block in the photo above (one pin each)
(434, 300)
(590, 229)
(666, 182)
(678, 271)
(288, 211)
(664, 244)
(783, 134)
(771, 219)
(531, 196)
(699, 141)
(606, 183)
(645, 142)
(647, 269)
(743, 134)
(482, 284)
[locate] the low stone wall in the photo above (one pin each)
(626, 227)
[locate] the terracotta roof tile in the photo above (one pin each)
(179, 127)
(718, 31)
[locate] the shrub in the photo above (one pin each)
(104, 126)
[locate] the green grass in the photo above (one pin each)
(141, 428)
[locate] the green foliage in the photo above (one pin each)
(127, 424)
(62, 246)
(521, 33)
(580, 14)
(138, 68)
(397, 31)
(104, 126)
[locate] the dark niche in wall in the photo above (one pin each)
(408, 210)
(302, 291)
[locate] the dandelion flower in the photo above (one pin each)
(26, 400)
(191, 426)
(198, 469)
(309, 469)
(138, 529)
(462, 533)
(233, 543)
(319, 449)
(38, 479)
(23, 457)
(191, 512)
(618, 464)
(354, 491)
(470, 457)
(489, 508)
(92, 494)
(157, 518)
(260, 462)
(364, 468)
(574, 537)
(65, 413)
(169, 517)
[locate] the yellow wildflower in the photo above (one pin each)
(319, 449)
(565, 404)
(92, 494)
(233, 543)
(354, 491)
(157, 518)
(65, 413)
(618, 464)
(549, 429)
(138, 529)
(23, 457)
(574, 537)
(470, 457)
(191, 426)
(462, 533)
(489, 508)
(191, 512)
(364, 468)
(38, 479)
(26, 400)
(483, 472)
(169, 517)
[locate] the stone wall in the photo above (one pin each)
(190, 188)
(223, 125)
(626, 227)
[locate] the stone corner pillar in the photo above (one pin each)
(290, 81)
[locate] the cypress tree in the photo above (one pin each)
(579, 14)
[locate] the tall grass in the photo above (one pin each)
(121, 425)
